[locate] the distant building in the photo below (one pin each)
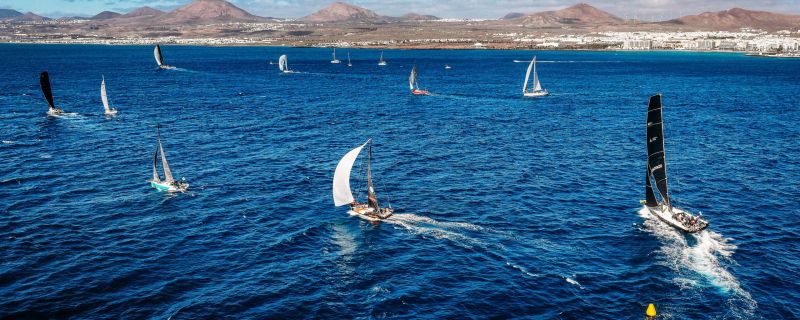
(637, 45)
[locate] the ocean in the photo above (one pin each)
(506, 207)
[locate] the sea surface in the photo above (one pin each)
(505, 207)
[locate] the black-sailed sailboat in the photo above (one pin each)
(342, 195)
(160, 59)
(44, 81)
(657, 171)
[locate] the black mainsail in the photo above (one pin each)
(44, 81)
(656, 159)
(650, 197)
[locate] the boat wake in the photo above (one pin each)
(706, 254)
(461, 233)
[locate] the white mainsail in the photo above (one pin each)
(167, 173)
(157, 54)
(527, 76)
(536, 85)
(282, 63)
(412, 78)
(342, 194)
(103, 95)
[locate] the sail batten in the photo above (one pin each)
(44, 81)
(656, 156)
(342, 194)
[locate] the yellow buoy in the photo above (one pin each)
(651, 311)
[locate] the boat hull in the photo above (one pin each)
(336, 61)
(535, 94)
(167, 187)
(55, 112)
(166, 67)
(381, 63)
(671, 217)
(420, 92)
(112, 112)
(370, 214)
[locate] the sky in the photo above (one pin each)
(473, 9)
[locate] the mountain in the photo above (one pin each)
(30, 17)
(204, 11)
(105, 15)
(512, 15)
(579, 14)
(739, 18)
(343, 12)
(142, 12)
(8, 13)
(417, 17)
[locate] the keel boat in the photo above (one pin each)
(342, 195)
(537, 90)
(168, 184)
(414, 85)
(44, 81)
(349, 64)
(381, 62)
(657, 170)
(108, 110)
(160, 59)
(283, 64)
(335, 61)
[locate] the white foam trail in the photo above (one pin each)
(573, 281)
(523, 270)
(427, 227)
(701, 258)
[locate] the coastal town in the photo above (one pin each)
(580, 27)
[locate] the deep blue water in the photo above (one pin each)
(507, 207)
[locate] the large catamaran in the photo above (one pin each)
(537, 90)
(108, 110)
(657, 169)
(160, 59)
(167, 184)
(342, 195)
(414, 85)
(44, 81)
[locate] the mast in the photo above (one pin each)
(167, 173)
(527, 76)
(44, 81)
(372, 198)
(656, 158)
(103, 95)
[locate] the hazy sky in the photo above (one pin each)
(643, 9)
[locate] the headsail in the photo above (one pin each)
(156, 178)
(536, 85)
(44, 81)
(282, 63)
(157, 54)
(167, 173)
(342, 194)
(412, 79)
(656, 159)
(527, 76)
(103, 95)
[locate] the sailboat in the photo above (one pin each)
(447, 66)
(657, 169)
(168, 184)
(414, 85)
(342, 195)
(537, 90)
(336, 61)
(160, 59)
(283, 64)
(349, 64)
(381, 62)
(44, 81)
(108, 111)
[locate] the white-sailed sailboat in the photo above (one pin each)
(168, 184)
(160, 58)
(283, 64)
(44, 81)
(657, 169)
(108, 110)
(537, 90)
(381, 62)
(349, 64)
(336, 61)
(342, 195)
(414, 85)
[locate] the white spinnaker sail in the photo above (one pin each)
(283, 64)
(412, 78)
(528, 75)
(157, 54)
(536, 85)
(167, 173)
(103, 95)
(342, 194)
